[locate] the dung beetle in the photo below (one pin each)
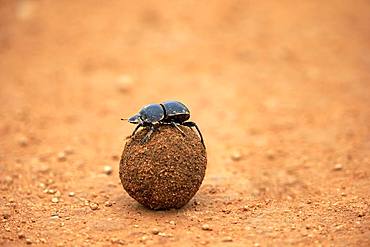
(170, 112)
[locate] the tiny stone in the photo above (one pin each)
(6, 214)
(172, 222)
(361, 214)
(71, 194)
(117, 241)
(54, 214)
(338, 167)
(43, 169)
(124, 83)
(21, 235)
(108, 170)
(108, 204)
(68, 150)
(50, 181)
(61, 156)
(162, 234)
(23, 141)
(236, 156)
(270, 154)
(144, 238)
(227, 239)
(28, 241)
(43, 240)
(155, 231)
(51, 191)
(8, 179)
(206, 227)
(54, 200)
(115, 157)
(94, 206)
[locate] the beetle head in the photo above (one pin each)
(136, 119)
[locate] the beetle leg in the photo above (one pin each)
(136, 128)
(176, 125)
(147, 136)
(192, 124)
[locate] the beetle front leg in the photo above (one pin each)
(136, 128)
(147, 136)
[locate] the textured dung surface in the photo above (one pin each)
(165, 172)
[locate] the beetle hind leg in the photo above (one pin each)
(192, 124)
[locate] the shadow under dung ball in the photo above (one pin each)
(165, 172)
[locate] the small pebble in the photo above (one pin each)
(338, 167)
(124, 83)
(206, 227)
(108, 204)
(61, 156)
(144, 238)
(162, 234)
(94, 206)
(117, 241)
(71, 194)
(227, 239)
(68, 150)
(8, 180)
(172, 222)
(43, 169)
(55, 200)
(23, 141)
(21, 235)
(28, 241)
(6, 214)
(50, 191)
(108, 170)
(361, 214)
(115, 157)
(270, 154)
(236, 155)
(155, 231)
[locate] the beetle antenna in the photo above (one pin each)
(124, 118)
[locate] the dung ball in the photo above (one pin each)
(166, 171)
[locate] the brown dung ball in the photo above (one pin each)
(165, 172)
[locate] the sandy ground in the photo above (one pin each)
(280, 89)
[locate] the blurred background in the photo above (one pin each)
(280, 90)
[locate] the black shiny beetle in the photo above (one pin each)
(169, 112)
